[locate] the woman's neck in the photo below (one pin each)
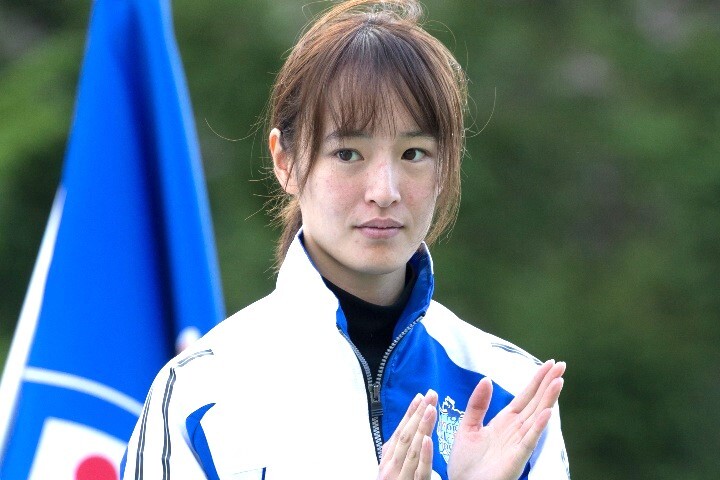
(378, 289)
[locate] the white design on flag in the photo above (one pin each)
(83, 385)
(447, 425)
(186, 337)
(27, 322)
(71, 451)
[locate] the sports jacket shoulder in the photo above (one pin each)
(277, 391)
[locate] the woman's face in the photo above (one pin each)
(368, 204)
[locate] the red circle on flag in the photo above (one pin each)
(96, 468)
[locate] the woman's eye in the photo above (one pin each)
(347, 155)
(413, 154)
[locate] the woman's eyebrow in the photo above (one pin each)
(416, 134)
(341, 135)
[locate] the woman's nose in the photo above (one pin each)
(382, 186)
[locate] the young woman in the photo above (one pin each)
(349, 369)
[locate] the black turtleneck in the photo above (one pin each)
(371, 326)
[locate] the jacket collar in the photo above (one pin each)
(421, 295)
(299, 279)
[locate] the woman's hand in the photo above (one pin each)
(408, 453)
(500, 450)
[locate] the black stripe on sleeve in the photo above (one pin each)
(511, 349)
(193, 356)
(141, 439)
(167, 447)
(166, 440)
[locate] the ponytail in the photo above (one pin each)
(290, 219)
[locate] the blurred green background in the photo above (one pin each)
(590, 222)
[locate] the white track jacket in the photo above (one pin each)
(277, 391)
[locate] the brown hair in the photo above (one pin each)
(359, 54)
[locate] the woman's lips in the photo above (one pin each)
(380, 228)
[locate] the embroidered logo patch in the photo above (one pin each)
(448, 423)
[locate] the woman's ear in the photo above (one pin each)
(282, 164)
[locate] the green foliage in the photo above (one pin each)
(590, 216)
(35, 112)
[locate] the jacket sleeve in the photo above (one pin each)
(160, 446)
(550, 460)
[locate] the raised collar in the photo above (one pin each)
(298, 278)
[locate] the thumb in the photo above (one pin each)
(477, 405)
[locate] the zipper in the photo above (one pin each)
(373, 388)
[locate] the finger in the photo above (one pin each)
(424, 427)
(428, 421)
(526, 396)
(530, 440)
(389, 446)
(548, 401)
(414, 404)
(536, 403)
(412, 458)
(478, 404)
(431, 397)
(552, 393)
(407, 435)
(424, 468)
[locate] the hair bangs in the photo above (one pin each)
(374, 68)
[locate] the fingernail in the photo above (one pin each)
(430, 392)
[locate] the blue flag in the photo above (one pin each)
(127, 271)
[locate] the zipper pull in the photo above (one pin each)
(376, 409)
